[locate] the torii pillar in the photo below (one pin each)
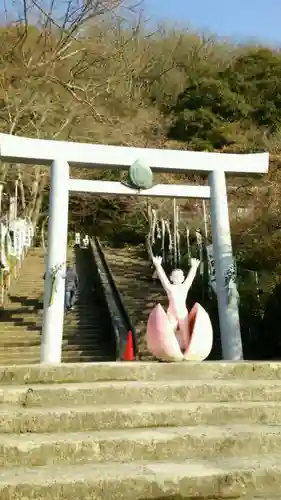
(228, 306)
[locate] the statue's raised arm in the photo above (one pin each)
(191, 274)
(157, 261)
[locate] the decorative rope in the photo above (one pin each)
(188, 243)
(177, 237)
(54, 275)
(170, 239)
(163, 234)
(178, 248)
(230, 282)
(152, 226)
(199, 240)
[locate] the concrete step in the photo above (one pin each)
(17, 419)
(16, 342)
(27, 340)
(18, 325)
(223, 478)
(23, 333)
(28, 360)
(14, 313)
(28, 281)
(18, 350)
(67, 357)
(138, 371)
(72, 328)
(133, 392)
(175, 431)
(27, 327)
(30, 350)
(138, 444)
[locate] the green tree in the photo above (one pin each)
(236, 105)
(256, 75)
(203, 112)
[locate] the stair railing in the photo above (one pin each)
(116, 310)
(120, 305)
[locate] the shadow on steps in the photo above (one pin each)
(22, 311)
(26, 302)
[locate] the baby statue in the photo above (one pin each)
(177, 289)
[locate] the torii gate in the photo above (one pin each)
(61, 154)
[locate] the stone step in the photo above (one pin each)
(19, 350)
(136, 370)
(68, 358)
(73, 331)
(28, 326)
(18, 323)
(221, 478)
(18, 300)
(29, 281)
(14, 312)
(28, 360)
(21, 341)
(133, 392)
(33, 280)
(19, 331)
(27, 340)
(33, 347)
(73, 355)
(87, 325)
(33, 353)
(22, 297)
(17, 419)
(181, 443)
(34, 264)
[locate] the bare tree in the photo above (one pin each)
(47, 80)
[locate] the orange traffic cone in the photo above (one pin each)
(129, 351)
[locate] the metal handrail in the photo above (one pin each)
(121, 305)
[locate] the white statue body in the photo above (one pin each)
(177, 289)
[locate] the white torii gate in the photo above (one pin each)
(61, 154)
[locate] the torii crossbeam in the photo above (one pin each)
(60, 155)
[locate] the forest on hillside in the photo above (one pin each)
(96, 71)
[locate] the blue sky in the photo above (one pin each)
(238, 19)
(241, 20)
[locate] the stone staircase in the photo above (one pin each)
(132, 274)
(20, 318)
(85, 329)
(141, 431)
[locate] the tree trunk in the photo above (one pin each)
(34, 193)
(1, 192)
(3, 172)
(22, 195)
(38, 202)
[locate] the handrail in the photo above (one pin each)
(107, 294)
(121, 305)
(116, 312)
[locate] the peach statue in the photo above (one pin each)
(176, 334)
